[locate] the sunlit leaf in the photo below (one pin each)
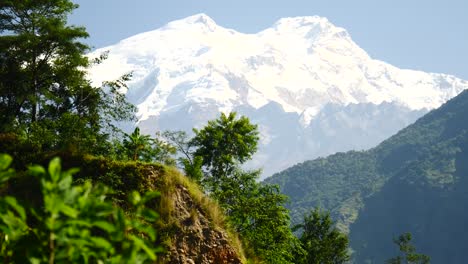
(55, 169)
(5, 161)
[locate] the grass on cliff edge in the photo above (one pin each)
(124, 176)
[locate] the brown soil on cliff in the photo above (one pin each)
(195, 229)
(198, 240)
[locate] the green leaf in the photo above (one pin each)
(149, 215)
(148, 196)
(73, 171)
(55, 169)
(141, 244)
(14, 204)
(68, 211)
(135, 198)
(101, 243)
(53, 204)
(65, 182)
(105, 226)
(36, 170)
(34, 260)
(5, 161)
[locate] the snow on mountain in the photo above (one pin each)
(193, 68)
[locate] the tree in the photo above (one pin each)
(40, 49)
(409, 251)
(138, 146)
(191, 164)
(254, 210)
(258, 215)
(145, 148)
(44, 93)
(73, 223)
(223, 144)
(323, 243)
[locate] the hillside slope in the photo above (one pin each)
(415, 181)
(191, 227)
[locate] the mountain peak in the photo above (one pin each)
(201, 18)
(191, 69)
(309, 27)
(198, 20)
(303, 21)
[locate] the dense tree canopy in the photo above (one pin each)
(44, 93)
(223, 144)
(258, 214)
(323, 243)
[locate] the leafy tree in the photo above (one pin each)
(223, 144)
(44, 93)
(193, 168)
(254, 210)
(323, 243)
(258, 214)
(191, 164)
(73, 223)
(145, 148)
(37, 44)
(410, 256)
(138, 146)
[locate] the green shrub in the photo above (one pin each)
(73, 223)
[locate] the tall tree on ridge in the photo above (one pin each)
(223, 144)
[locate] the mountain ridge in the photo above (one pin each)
(415, 181)
(302, 64)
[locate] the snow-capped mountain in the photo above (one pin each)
(310, 88)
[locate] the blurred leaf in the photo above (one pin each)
(55, 169)
(108, 227)
(14, 204)
(36, 170)
(5, 161)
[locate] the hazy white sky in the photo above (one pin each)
(428, 35)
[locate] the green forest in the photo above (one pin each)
(76, 188)
(413, 182)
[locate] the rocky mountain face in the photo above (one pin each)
(308, 86)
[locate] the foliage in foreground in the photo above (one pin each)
(73, 223)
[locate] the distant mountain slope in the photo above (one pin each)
(303, 73)
(415, 181)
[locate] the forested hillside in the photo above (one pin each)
(415, 181)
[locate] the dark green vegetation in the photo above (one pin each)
(68, 223)
(256, 212)
(416, 181)
(224, 144)
(322, 242)
(410, 256)
(44, 95)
